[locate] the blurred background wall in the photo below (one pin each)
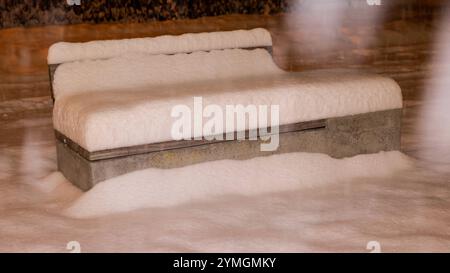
(43, 12)
(15, 13)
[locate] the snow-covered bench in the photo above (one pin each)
(113, 102)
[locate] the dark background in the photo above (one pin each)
(15, 13)
(32, 12)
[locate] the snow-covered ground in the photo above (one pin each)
(207, 181)
(291, 202)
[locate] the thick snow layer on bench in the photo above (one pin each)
(132, 71)
(168, 44)
(112, 119)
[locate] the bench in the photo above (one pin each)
(113, 101)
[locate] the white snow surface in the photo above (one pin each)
(152, 188)
(144, 71)
(63, 52)
(310, 212)
(128, 100)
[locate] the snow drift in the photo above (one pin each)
(285, 172)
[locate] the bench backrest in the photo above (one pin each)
(64, 52)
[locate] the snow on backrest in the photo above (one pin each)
(63, 52)
(147, 72)
(144, 62)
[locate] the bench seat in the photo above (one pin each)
(108, 120)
